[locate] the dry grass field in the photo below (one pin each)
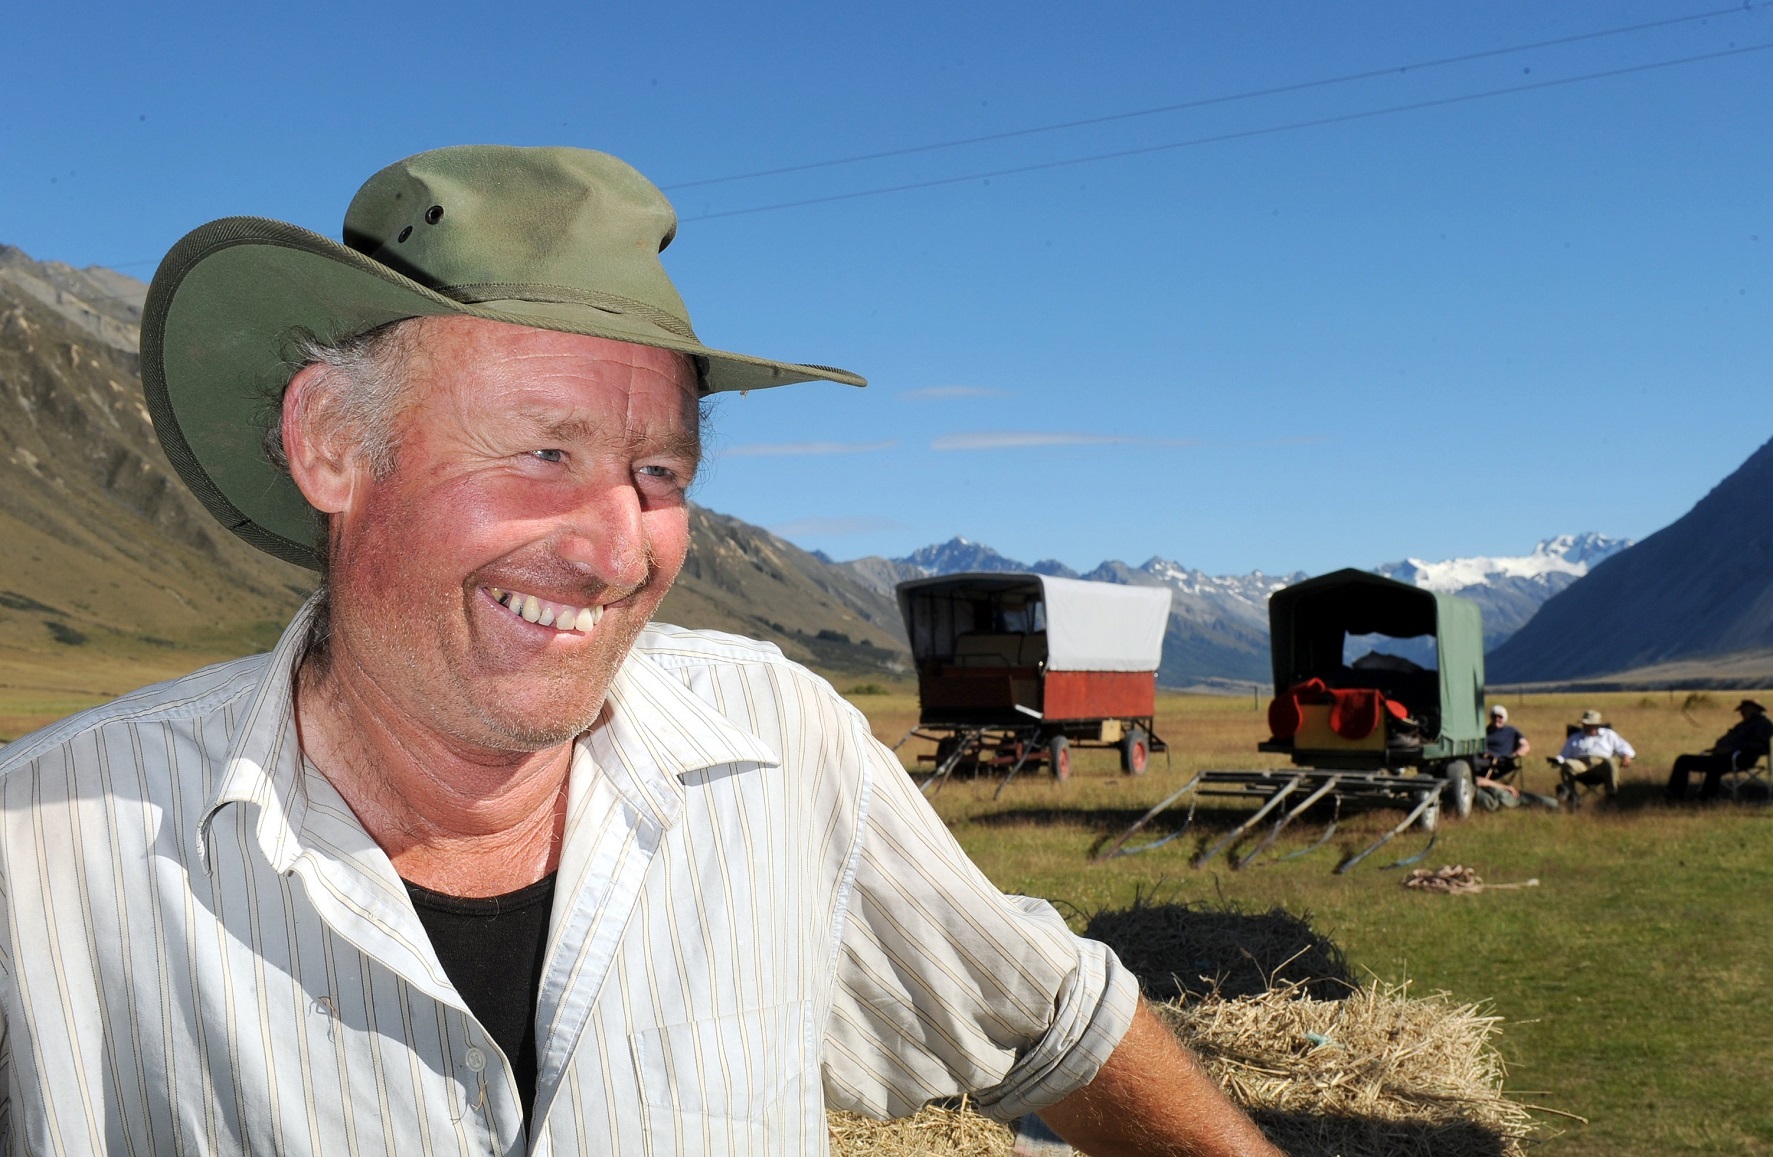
(1634, 981)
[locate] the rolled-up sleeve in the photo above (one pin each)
(945, 985)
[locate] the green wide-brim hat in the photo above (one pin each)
(554, 238)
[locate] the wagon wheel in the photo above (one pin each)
(1059, 757)
(1135, 751)
(1460, 790)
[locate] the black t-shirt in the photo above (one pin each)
(1502, 741)
(493, 950)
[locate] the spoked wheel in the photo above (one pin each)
(1059, 757)
(1135, 751)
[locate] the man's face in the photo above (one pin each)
(529, 465)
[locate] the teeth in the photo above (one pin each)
(532, 609)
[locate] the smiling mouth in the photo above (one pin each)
(543, 613)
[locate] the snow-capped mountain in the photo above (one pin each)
(1567, 554)
(1511, 589)
(1219, 623)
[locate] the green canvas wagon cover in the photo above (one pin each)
(1311, 620)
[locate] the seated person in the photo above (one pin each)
(1736, 750)
(1594, 753)
(1503, 746)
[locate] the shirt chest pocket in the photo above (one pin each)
(750, 1067)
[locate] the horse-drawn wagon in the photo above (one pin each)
(1014, 670)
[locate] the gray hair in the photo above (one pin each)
(357, 391)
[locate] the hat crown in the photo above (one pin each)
(489, 223)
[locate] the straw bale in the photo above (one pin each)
(953, 1130)
(1376, 1074)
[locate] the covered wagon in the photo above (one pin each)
(1378, 701)
(1015, 669)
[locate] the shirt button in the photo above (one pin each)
(476, 1060)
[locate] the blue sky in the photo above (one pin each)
(1452, 329)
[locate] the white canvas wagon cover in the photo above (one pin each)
(1090, 626)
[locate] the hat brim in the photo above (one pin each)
(219, 327)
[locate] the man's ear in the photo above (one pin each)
(324, 461)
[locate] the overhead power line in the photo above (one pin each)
(1244, 134)
(1206, 102)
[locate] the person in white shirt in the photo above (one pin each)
(1593, 754)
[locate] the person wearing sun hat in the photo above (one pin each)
(478, 858)
(1593, 754)
(1737, 749)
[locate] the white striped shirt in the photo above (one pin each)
(756, 915)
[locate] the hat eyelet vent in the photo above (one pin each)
(434, 214)
(404, 234)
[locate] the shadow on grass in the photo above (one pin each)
(1640, 795)
(1195, 950)
(1314, 1135)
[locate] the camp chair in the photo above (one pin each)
(1569, 787)
(1755, 772)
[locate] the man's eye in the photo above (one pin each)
(548, 455)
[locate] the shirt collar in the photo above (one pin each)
(264, 763)
(654, 732)
(651, 734)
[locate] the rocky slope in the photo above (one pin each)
(102, 542)
(1701, 586)
(743, 579)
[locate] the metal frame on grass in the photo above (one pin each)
(1307, 787)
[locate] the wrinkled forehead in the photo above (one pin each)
(489, 360)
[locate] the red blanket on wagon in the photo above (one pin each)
(1355, 712)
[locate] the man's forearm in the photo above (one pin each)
(1153, 1098)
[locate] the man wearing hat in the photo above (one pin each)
(478, 860)
(1593, 754)
(1737, 749)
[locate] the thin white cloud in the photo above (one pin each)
(788, 449)
(836, 527)
(944, 393)
(1028, 439)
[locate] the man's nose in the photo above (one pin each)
(607, 535)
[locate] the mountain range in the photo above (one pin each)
(1697, 594)
(1219, 623)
